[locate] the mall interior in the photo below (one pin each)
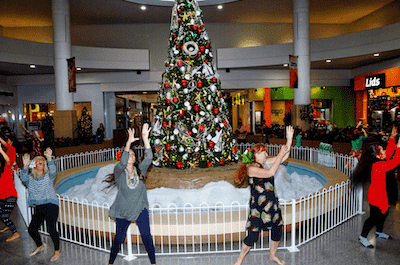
(120, 48)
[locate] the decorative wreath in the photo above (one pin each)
(189, 44)
(118, 156)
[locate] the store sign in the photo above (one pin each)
(375, 81)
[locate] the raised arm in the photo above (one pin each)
(26, 159)
(5, 156)
(2, 141)
(267, 173)
(145, 135)
(289, 140)
(50, 163)
(119, 168)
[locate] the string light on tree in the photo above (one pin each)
(191, 127)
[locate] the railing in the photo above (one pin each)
(206, 229)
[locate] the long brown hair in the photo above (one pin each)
(241, 176)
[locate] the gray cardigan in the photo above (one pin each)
(131, 199)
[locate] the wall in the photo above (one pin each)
(277, 117)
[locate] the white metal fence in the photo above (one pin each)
(204, 229)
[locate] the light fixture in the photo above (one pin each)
(32, 66)
(285, 65)
(376, 54)
(78, 69)
(143, 7)
(144, 92)
(328, 60)
(220, 7)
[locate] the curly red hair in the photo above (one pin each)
(241, 176)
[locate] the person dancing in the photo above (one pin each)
(375, 162)
(8, 193)
(42, 196)
(264, 204)
(131, 203)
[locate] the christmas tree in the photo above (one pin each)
(191, 126)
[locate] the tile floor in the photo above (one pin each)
(339, 246)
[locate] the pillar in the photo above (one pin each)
(301, 47)
(65, 121)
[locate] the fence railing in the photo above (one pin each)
(207, 228)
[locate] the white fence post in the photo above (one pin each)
(130, 256)
(293, 247)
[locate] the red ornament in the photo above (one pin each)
(157, 149)
(206, 61)
(216, 111)
(166, 84)
(179, 164)
(202, 48)
(211, 144)
(173, 125)
(208, 45)
(184, 83)
(199, 54)
(224, 123)
(168, 101)
(164, 124)
(179, 10)
(175, 99)
(179, 63)
(190, 132)
(174, 35)
(179, 20)
(202, 26)
(196, 108)
(194, 27)
(181, 112)
(201, 128)
(166, 159)
(199, 31)
(222, 162)
(218, 128)
(208, 164)
(214, 79)
(199, 84)
(168, 147)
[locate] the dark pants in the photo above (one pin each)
(252, 237)
(48, 212)
(376, 218)
(144, 228)
(6, 207)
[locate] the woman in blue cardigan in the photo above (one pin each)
(131, 204)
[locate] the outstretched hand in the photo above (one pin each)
(26, 159)
(394, 132)
(284, 150)
(146, 131)
(131, 136)
(48, 153)
(289, 132)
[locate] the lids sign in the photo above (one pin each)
(375, 81)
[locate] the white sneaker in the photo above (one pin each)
(383, 235)
(365, 242)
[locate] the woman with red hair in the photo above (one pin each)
(259, 171)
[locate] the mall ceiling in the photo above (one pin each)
(36, 13)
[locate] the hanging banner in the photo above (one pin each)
(71, 75)
(293, 71)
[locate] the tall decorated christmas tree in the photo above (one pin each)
(191, 126)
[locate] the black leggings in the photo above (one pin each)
(252, 237)
(48, 212)
(6, 207)
(376, 218)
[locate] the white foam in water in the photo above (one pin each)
(288, 186)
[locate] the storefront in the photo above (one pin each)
(378, 98)
(336, 104)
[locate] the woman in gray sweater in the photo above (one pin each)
(131, 204)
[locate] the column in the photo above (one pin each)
(301, 44)
(65, 121)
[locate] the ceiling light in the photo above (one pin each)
(376, 54)
(220, 7)
(144, 92)
(78, 69)
(285, 65)
(32, 66)
(143, 7)
(329, 61)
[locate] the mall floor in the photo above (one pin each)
(339, 246)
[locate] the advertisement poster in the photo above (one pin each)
(293, 71)
(71, 75)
